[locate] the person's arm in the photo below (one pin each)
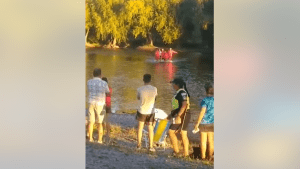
(182, 109)
(107, 92)
(182, 97)
(202, 112)
(138, 95)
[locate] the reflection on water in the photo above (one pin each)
(125, 69)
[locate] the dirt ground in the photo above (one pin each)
(120, 152)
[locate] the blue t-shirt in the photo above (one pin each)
(208, 103)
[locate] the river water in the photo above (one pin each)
(125, 68)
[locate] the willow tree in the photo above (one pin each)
(108, 20)
(139, 14)
(147, 16)
(88, 19)
(165, 19)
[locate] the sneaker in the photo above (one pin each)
(152, 150)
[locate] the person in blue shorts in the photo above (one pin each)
(206, 126)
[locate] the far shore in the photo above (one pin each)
(147, 48)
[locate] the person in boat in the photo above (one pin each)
(157, 54)
(170, 54)
(164, 55)
(160, 54)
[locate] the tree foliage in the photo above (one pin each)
(113, 20)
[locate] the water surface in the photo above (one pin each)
(125, 69)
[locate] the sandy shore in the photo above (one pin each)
(128, 120)
(120, 151)
(120, 154)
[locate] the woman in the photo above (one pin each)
(180, 116)
(206, 127)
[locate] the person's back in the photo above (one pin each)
(208, 102)
(165, 55)
(147, 95)
(145, 112)
(97, 89)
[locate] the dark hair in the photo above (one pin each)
(209, 88)
(105, 79)
(147, 78)
(181, 84)
(97, 72)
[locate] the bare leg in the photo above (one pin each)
(100, 132)
(150, 130)
(174, 140)
(203, 144)
(90, 130)
(210, 140)
(185, 141)
(140, 133)
(108, 125)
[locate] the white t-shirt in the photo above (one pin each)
(147, 96)
(97, 89)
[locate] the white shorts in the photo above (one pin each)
(96, 113)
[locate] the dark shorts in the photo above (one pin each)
(108, 109)
(185, 119)
(206, 127)
(145, 117)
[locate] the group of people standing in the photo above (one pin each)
(164, 55)
(146, 95)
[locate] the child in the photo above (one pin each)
(108, 109)
(206, 127)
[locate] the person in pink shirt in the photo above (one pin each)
(164, 55)
(170, 54)
(108, 108)
(157, 54)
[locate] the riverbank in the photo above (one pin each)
(123, 141)
(119, 152)
(122, 154)
(147, 48)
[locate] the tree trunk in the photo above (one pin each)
(150, 39)
(114, 43)
(86, 35)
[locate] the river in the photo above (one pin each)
(125, 68)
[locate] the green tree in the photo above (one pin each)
(107, 17)
(88, 19)
(147, 16)
(165, 19)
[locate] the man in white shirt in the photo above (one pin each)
(145, 113)
(98, 89)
